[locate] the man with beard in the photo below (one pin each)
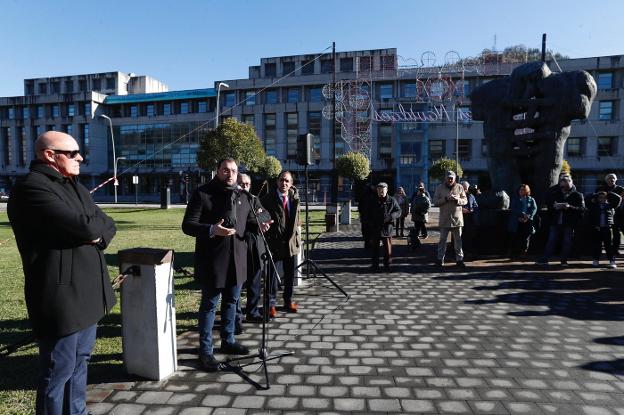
(218, 216)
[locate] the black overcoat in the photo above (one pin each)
(383, 212)
(284, 236)
(67, 285)
(213, 255)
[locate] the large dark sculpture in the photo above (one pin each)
(526, 121)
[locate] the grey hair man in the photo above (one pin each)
(450, 197)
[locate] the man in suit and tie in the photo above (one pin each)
(284, 237)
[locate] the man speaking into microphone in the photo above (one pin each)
(218, 215)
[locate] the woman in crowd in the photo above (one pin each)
(403, 202)
(521, 221)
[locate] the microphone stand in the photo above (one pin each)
(309, 262)
(263, 355)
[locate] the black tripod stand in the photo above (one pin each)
(262, 357)
(309, 262)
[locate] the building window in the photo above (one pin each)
(40, 111)
(29, 89)
(96, 83)
(270, 70)
(110, 83)
(69, 87)
(340, 142)
(465, 149)
(388, 63)
(11, 113)
(8, 146)
(384, 141)
(307, 67)
(82, 85)
(605, 110)
(270, 135)
(43, 88)
(409, 90)
(327, 66)
(291, 135)
(87, 109)
(229, 99)
(150, 110)
(346, 64)
(484, 150)
(55, 87)
(56, 111)
(410, 153)
(202, 106)
(574, 147)
(314, 94)
(385, 91)
(314, 128)
(293, 95)
(250, 97)
(69, 129)
(250, 120)
(166, 109)
(605, 80)
(288, 68)
(436, 149)
(21, 146)
(71, 110)
(364, 64)
(134, 111)
(606, 146)
(84, 148)
(184, 107)
(270, 97)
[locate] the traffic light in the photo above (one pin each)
(304, 149)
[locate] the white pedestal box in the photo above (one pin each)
(148, 313)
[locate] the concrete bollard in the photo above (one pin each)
(148, 313)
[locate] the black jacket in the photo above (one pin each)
(213, 255)
(572, 216)
(283, 236)
(383, 212)
(67, 285)
(594, 210)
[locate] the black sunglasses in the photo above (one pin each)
(68, 153)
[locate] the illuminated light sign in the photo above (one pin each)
(438, 113)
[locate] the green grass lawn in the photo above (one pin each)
(152, 228)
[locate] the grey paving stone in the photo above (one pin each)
(316, 403)
(123, 396)
(349, 404)
(282, 403)
(196, 411)
(217, 401)
(128, 409)
(100, 408)
(487, 407)
(384, 405)
(256, 402)
(160, 410)
(184, 399)
(453, 407)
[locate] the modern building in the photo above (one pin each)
(402, 117)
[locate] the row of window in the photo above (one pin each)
(69, 86)
(160, 108)
(605, 146)
(306, 67)
(26, 152)
(46, 111)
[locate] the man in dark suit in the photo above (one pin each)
(217, 216)
(284, 237)
(60, 235)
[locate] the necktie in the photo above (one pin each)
(285, 206)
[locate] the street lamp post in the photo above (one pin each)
(221, 84)
(116, 182)
(110, 124)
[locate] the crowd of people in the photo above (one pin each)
(599, 215)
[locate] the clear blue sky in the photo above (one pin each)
(190, 44)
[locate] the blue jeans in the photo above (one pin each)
(207, 312)
(63, 362)
(555, 233)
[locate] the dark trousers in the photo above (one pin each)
(288, 279)
(521, 239)
(253, 294)
(63, 363)
(208, 309)
(556, 233)
(400, 226)
(421, 228)
(387, 247)
(600, 237)
(616, 240)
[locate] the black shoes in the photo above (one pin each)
(439, 262)
(234, 348)
(208, 362)
(253, 319)
(460, 264)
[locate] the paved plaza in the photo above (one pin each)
(496, 338)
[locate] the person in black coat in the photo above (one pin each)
(60, 234)
(610, 186)
(218, 215)
(383, 211)
(565, 207)
(600, 217)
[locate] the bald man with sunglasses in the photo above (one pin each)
(61, 235)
